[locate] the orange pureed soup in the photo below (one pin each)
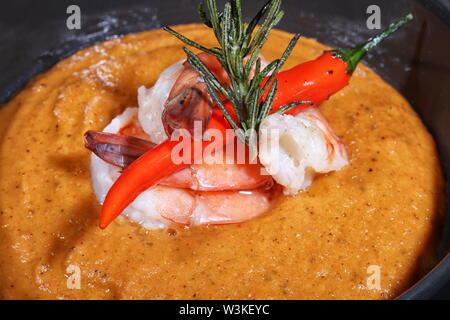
(380, 210)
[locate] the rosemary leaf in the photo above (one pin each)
(273, 14)
(290, 106)
(239, 54)
(283, 59)
(237, 13)
(203, 16)
(254, 114)
(259, 77)
(267, 105)
(189, 42)
(215, 18)
(201, 68)
(222, 107)
(252, 25)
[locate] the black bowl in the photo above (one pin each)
(34, 37)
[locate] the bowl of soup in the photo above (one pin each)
(384, 213)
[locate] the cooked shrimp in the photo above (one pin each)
(178, 98)
(174, 199)
(216, 173)
(230, 207)
(293, 148)
(214, 192)
(188, 100)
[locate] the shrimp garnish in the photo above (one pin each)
(217, 191)
(201, 194)
(216, 173)
(179, 98)
(294, 148)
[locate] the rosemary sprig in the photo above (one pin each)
(240, 46)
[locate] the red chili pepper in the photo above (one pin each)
(315, 81)
(147, 171)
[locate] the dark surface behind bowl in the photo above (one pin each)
(33, 37)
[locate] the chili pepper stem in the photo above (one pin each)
(354, 55)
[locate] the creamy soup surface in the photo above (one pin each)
(380, 210)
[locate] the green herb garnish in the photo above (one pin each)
(240, 46)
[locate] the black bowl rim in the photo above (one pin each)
(439, 276)
(429, 284)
